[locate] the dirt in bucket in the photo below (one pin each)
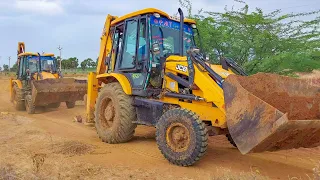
(289, 95)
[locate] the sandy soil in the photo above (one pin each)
(50, 145)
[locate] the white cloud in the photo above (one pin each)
(44, 7)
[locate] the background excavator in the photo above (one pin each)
(151, 72)
(40, 83)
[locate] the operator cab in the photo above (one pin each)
(32, 63)
(142, 43)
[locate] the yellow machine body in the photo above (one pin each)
(45, 86)
(255, 123)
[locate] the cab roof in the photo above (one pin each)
(34, 54)
(149, 11)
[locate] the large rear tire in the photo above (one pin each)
(181, 137)
(17, 98)
(30, 107)
(114, 114)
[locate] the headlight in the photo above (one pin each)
(193, 26)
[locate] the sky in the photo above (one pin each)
(76, 25)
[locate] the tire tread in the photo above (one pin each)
(201, 136)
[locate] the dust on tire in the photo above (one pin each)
(121, 129)
(198, 137)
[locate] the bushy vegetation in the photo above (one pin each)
(73, 63)
(259, 41)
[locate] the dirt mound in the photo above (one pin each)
(72, 148)
(297, 97)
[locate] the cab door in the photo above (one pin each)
(135, 53)
(22, 68)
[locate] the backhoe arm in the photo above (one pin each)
(21, 48)
(105, 45)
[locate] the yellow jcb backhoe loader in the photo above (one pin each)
(39, 83)
(150, 72)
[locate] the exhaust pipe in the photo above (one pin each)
(181, 30)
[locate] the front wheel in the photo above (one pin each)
(181, 137)
(17, 98)
(70, 104)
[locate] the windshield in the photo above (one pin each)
(166, 33)
(47, 64)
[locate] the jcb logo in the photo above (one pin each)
(181, 68)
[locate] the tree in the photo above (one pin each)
(268, 42)
(5, 67)
(87, 63)
(70, 63)
(14, 67)
(83, 65)
(91, 63)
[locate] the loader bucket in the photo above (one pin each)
(47, 91)
(268, 112)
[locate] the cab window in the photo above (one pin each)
(130, 41)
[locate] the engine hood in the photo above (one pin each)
(45, 75)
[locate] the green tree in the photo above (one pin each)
(83, 65)
(268, 42)
(5, 67)
(87, 63)
(70, 63)
(14, 67)
(91, 63)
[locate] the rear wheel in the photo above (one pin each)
(70, 104)
(114, 114)
(30, 107)
(17, 98)
(181, 137)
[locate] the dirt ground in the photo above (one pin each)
(50, 145)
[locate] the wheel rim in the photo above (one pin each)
(178, 137)
(107, 113)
